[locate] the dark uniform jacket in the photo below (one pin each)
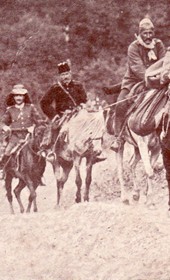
(138, 62)
(56, 100)
(20, 119)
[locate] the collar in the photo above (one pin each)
(150, 47)
(142, 43)
(20, 106)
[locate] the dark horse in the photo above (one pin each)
(164, 131)
(26, 165)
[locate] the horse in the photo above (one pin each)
(71, 147)
(146, 148)
(28, 166)
(159, 125)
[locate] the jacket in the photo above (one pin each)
(138, 62)
(21, 119)
(56, 100)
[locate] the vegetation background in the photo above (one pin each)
(93, 34)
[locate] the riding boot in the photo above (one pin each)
(119, 122)
(2, 165)
(120, 117)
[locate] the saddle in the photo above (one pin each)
(142, 120)
(136, 96)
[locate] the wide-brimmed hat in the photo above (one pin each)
(17, 89)
(18, 86)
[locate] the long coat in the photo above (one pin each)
(138, 62)
(56, 100)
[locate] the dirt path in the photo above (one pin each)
(99, 240)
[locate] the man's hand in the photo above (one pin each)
(6, 128)
(31, 129)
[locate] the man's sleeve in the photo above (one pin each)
(135, 62)
(46, 104)
(161, 49)
(82, 94)
(6, 118)
(35, 114)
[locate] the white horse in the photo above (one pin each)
(147, 149)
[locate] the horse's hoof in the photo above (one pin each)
(151, 206)
(136, 196)
(57, 207)
(78, 200)
(125, 201)
(125, 198)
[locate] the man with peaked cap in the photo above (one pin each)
(66, 94)
(142, 53)
(17, 121)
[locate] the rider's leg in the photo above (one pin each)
(3, 162)
(120, 117)
(11, 146)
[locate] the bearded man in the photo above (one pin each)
(142, 53)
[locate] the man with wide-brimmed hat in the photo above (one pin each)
(17, 121)
(142, 53)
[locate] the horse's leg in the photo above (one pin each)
(32, 195)
(133, 162)
(144, 152)
(66, 168)
(35, 208)
(78, 180)
(119, 155)
(88, 178)
(8, 186)
(166, 161)
(169, 196)
(155, 152)
(56, 170)
(17, 192)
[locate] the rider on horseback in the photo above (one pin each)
(17, 122)
(61, 99)
(142, 53)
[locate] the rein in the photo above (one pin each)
(121, 101)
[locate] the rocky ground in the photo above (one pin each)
(99, 240)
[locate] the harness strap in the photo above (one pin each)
(67, 92)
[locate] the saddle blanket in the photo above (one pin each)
(82, 127)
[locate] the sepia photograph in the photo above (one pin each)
(85, 139)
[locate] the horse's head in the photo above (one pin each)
(38, 134)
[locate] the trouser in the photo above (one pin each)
(50, 136)
(120, 111)
(13, 143)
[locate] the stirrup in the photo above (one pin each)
(116, 144)
(51, 156)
